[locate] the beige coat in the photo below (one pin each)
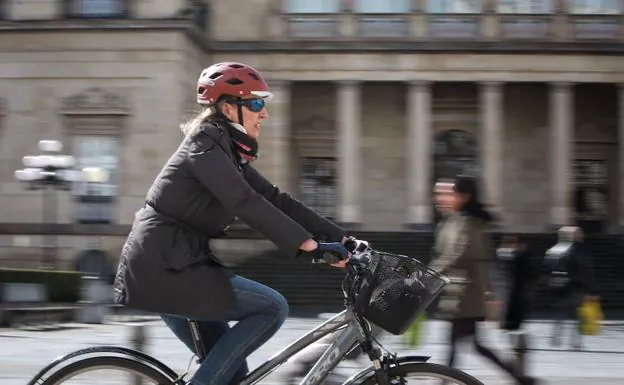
(463, 253)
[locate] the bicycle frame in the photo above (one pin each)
(350, 336)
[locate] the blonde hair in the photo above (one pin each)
(192, 125)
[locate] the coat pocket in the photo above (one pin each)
(186, 251)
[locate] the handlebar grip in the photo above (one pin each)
(331, 258)
(326, 258)
(331, 253)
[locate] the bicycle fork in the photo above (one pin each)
(382, 367)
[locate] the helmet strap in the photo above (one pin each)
(240, 114)
(246, 146)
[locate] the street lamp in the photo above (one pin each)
(51, 171)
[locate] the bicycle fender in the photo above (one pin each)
(103, 351)
(358, 377)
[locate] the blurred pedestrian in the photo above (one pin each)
(463, 253)
(571, 281)
(516, 272)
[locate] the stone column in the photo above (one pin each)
(275, 138)
(279, 135)
(561, 150)
(418, 154)
(349, 143)
(491, 118)
(620, 104)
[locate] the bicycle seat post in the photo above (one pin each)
(200, 350)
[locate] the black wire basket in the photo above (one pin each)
(392, 290)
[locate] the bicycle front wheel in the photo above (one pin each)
(106, 371)
(424, 374)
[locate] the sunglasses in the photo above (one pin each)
(254, 105)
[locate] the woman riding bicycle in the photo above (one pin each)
(166, 265)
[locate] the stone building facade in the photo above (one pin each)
(374, 100)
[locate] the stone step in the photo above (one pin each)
(310, 285)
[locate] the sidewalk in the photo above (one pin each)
(24, 352)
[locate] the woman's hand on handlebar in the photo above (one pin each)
(332, 253)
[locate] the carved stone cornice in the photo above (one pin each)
(95, 111)
(95, 101)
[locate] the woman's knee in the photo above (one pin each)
(280, 306)
(274, 309)
(262, 299)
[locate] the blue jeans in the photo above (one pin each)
(260, 312)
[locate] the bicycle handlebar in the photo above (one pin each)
(330, 252)
(334, 252)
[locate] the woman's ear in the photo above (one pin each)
(225, 110)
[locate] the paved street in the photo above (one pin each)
(24, 352)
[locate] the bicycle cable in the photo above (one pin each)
(180, 379)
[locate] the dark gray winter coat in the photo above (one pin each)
(166, 265)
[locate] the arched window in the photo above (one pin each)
(455, 153)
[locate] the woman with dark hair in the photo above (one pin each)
(463, 253)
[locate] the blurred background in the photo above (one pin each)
(374, 101)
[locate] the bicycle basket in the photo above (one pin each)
(394, 290)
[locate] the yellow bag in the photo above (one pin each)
(590, 315)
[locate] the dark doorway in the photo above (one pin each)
(455, 153)
(591, 195)
(317, 185)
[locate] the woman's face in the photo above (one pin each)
(254, 112)
(457, 200)
(443, 192)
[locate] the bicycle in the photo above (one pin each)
(389, 290)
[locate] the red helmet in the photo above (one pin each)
(232, 79)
